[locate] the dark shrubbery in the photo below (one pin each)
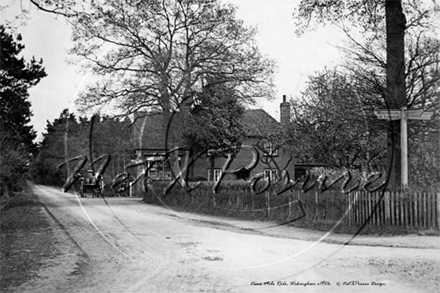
(314, 209)
(233, 198)
(13, 166)
(47, 174)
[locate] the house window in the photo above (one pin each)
(217, 174)
(271, 173)
(159, 170)
(269, 149)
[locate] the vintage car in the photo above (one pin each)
(91, 184)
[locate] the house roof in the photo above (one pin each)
(258, 123)
(152, 132)
(150, 129)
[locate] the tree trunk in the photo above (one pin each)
(174, 128)
(212, 166)
(170, 136)
(395, 70)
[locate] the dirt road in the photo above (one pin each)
(123, 245)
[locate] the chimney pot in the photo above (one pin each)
(284, 111)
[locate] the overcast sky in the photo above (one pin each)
(48, 37)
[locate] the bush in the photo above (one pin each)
(13, 166)
(233, 198)
(44, 173)
(358, 178)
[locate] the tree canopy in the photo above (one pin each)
(393, 50)
(160, 53)
(68, 137)
(333, 124)
(16, 141)
(16, 77)
(215, 121)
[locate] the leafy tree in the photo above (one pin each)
(63, 140)
(161, 54)
(13, 165)
(214, 125)
(424, 159)
(16, 143)
(215, 121)
(69, 137)
(16, 77)
(66, 8)
(333, 124)
(377, 20)
(110, 136)
(334, 121)
(422, 76)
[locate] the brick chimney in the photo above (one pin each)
(284, 111)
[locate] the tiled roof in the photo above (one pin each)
(258, 123)
(150, 129)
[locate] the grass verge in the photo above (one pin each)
(26, 240)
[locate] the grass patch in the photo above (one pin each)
(26, 240)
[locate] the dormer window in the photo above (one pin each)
(269, 149)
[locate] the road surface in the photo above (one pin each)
(124, 245)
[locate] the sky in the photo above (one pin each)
(48, 37)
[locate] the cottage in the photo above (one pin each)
(262, 150)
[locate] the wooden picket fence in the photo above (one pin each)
(380, 209)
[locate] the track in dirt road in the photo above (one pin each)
(124, 245)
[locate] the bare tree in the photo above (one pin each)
(334, 125)
(160, 54)
(390, 20)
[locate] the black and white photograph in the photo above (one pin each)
(219, 146)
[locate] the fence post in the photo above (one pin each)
(334, 211)
(350, 209)
(365, 210)
(379, 210)
(431, 207)
(266, 193)
(438, 210)
(411, 210)
(420, 209)
(357, 207)
(425, 208)
(290, 206)
(381, 214)
(416, 210)
(386, 199)
(353, 198)
(362, 208)
(375, 208)
(392, 209)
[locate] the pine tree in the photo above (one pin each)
(16, 77)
